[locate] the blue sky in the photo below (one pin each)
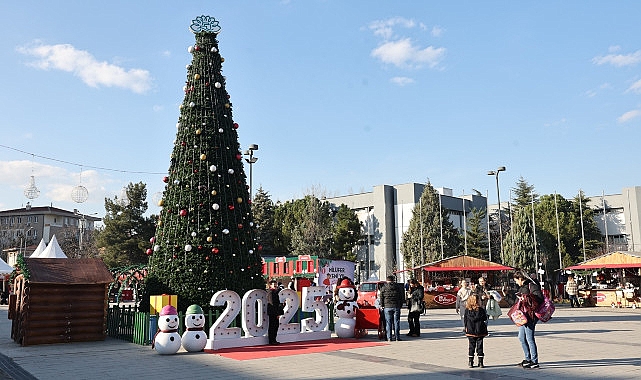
(340, 96)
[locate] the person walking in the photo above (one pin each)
(415, 305)
(475, 319)
(391, 299)
(482, 290)
(274, 311)
(530, 294)
(572, 289)
(461, 297)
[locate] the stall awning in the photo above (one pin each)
(474, 269)
(599, 266)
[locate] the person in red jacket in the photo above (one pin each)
(531, 290)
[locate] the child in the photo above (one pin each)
(475, 319)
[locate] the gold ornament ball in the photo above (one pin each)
(239, 200)
(209, 239)
(213, 192)
(222, 59)
(203, 157)
(198, 131)
(161, 202)
(197, 76)
(227, 105)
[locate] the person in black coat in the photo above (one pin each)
(390, 301)
(273, 311)
(530, 293)
(416, 296)
(475, 319)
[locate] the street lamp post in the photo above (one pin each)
(251, 161)
(498, 196)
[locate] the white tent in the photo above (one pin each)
(41, 247)
(53, 251)
(5, 268)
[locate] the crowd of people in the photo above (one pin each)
(475, 304)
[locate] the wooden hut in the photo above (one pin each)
(61, 301)
(441, 278)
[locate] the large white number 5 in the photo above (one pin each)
(312, 301)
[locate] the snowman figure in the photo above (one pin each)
(194, 338)
(167, 339)
(346, 309)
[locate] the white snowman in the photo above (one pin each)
(346, 309)
(194, 338)
(167, 340)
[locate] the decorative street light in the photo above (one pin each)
(498, 196)
(251, 161)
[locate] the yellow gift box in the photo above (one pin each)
(158, 302)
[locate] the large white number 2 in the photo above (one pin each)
(220, 329)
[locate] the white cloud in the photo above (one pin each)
(618, 60)
(82, 64)
(384, 28)
(629, 116)
(437, 31)
(636, 87)
(614, 48)
(403, 53)
(402, 81)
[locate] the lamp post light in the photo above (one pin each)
(498, 196)
(251, 161)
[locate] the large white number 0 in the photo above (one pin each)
(255, 322)
(220, 329)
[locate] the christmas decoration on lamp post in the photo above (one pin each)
(204, 239)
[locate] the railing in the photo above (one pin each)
(129, 324)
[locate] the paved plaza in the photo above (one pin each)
(590, 343)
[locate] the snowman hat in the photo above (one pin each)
(168, 310)
(194, 309)
(346, 283)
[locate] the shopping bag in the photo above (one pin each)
(545, 311)
(516, 314)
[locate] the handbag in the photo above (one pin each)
(545, 311)
(517, 315)
(417, 307)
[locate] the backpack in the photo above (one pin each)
(544, 311)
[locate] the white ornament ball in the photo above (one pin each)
(156, 248)
(225, 231)
(192, 104)
(177, 125)
(220, 130)
(213, 49)
(193, 234)
(188, 247)
(190, 49)
(218, 85)
(212, 168)
(230, 171)
(215, 206)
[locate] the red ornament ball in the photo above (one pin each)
(165, 179)
(240, 226)
(239, 156)
(183, 143)
(183, 212)
(236, 125)
(149, 251)
(197, 48)
(215, 250)
(231, 207)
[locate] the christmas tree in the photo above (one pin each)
(204, 239)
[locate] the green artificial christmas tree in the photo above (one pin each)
(204, 239)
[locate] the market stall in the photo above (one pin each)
(611, 280)
(441, 278)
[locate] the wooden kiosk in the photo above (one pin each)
(611, 280)
(441, 278)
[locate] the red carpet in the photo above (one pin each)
(295, 348)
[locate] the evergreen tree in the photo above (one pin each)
(205, 236)
(263, 211)
(312, 234)
(477, 234)
(521, 241)
(346, 233)
(593, 243)
(523, 194)
(126, 231)
(427, 218)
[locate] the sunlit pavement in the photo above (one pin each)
(590, 343)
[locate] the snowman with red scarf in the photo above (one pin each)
(167, 340)
(194, 338)
(346, 309)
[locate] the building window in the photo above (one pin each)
(35, 218)
(19, 219)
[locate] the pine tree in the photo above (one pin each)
(263, 211)
(346, 233)
(520, 241)
(477, 234)
(205, 236)
(426, 217)
(523, 194)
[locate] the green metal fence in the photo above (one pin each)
(129, 324)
